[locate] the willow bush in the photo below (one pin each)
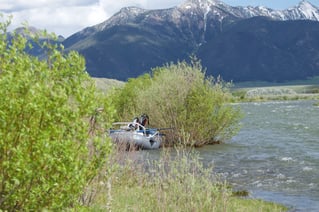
(179, 96)
(52, 121)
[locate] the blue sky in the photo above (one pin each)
(65, 17)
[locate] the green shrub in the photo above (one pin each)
(180, 96)
(52, 140)
(126, 98)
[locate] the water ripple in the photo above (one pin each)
(276, 153)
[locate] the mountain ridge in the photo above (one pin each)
(134, 40)
(303, 11)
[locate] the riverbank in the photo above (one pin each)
(172, 181)
(276, 92)
(252, 91)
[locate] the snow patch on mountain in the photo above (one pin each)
(205, 11)
(304, 10)
(125, 15)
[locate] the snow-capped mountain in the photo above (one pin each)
(217, 9)
(304, 10)
(206, 14)
(134, 40)
(210, 8)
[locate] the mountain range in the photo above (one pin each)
(237, 43)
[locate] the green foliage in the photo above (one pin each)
(179, 96)
(126, 99)
(52, 141)
(209, 119)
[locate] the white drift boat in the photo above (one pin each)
(135, 135)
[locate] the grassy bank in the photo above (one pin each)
(265, 92)
(105, 84)
(252, 91)
(170, 183)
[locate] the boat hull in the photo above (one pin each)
(137, 139)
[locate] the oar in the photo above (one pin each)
(167, 128)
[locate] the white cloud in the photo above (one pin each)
(114, 6)
(16, 5)
(66, 17)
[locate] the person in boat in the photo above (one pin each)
(144, 120)
(139, 123)
(135, 123)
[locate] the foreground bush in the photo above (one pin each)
(52, 122)
(179, 96)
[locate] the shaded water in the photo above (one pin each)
(275, 156)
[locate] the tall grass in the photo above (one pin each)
(176, 181)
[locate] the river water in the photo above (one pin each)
(275, 156)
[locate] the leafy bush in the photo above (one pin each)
(179, 96)
(52, 140)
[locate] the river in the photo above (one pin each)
(275, 156)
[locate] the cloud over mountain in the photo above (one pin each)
(67, 17)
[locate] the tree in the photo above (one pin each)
(180, 96)
(52, 121)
